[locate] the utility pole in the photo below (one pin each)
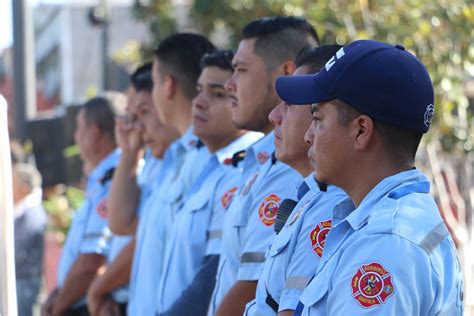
(24, 67)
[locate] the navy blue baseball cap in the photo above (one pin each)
(377, 79)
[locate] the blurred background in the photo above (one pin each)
(54, 54)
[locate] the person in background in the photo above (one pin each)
(109, 292)
(30, 224)
(87, 242)
(175, 72)
(191, 259)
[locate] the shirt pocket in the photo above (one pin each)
(314, 293)
(242, 215)
(280, 242)
(198, 216)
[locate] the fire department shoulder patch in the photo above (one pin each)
(227, 197)
(102, 208)
(268, 209)
(318, 236)
(372, 285)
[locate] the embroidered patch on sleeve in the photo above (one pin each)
(318, 236)
(372, 285)
(268, 209)
(102, 208)
(227, 197)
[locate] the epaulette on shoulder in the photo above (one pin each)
(107, 176)
(238, 157)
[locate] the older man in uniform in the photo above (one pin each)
(389, 251)
(268, 49)
(88, 238)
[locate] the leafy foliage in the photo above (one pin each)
(439, 32)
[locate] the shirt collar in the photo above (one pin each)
(265, 144)
(188, 141)
(408, 181)
(110, 161)
(239, 144)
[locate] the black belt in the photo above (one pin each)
(83, 311)
(271, 302)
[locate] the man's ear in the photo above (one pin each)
(170, 86)
(363, 131)
(288, 67)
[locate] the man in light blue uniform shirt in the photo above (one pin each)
(88, 238)
(193, 249)
(142, 126)
(248, 227)
(295, 252)
(389, 251)
(175, 71)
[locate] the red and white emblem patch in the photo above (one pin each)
(318, 236)
(227, 197)
(372, 285)
(268, 209)
(102, 208)
(262, 157)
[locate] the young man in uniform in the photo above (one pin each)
(194, 245)
(389, 251)
(175, 72)
(295, 252)
(87, 241)
(267, 49)
(110, 291)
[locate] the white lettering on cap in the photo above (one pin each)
(333, 59)
(429, 114)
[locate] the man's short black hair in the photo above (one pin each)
(102, 111)
(221, 59)
(180, 56)
(141, 79)
(315, 58)
(280, 38)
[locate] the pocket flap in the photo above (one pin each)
(280, 242)
(315, 291)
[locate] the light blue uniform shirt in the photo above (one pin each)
(197, 227)
(89, 232)
(155, 215)
(393, 255)
(146, 178)
(296, 250)
(248, 225)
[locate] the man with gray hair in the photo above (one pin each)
(88, 238)
(30, 223)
